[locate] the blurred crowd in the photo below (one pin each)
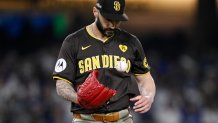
(186, 80)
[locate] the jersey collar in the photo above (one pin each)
(92, 35)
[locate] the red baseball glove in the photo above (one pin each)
(92, 94)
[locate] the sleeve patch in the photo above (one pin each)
(145, 63)
(61, 65)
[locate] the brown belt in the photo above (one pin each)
(111, 117)
(108, 117)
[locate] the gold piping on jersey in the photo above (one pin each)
(92, 35)
(57, 77)
(139, 74)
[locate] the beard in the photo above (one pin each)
(106, 32)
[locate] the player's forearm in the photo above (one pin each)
(65, 90)
(146, 85)
(148, 89)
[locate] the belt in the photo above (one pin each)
(109, 117)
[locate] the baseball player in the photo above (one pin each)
(102, 68)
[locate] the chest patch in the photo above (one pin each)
(123, 48)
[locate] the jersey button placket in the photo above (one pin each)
(105, 53)
(104, 49)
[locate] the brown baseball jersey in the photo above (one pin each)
(82, 52)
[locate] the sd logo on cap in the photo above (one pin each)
(112, 9)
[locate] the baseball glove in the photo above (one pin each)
(92, 94)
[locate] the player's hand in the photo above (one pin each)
(142, 103)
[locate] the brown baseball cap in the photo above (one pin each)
(112, 9)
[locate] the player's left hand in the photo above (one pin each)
(142, 103)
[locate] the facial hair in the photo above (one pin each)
(106, 32)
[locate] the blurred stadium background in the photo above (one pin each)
(179, 37)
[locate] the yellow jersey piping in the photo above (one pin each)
(57, 77)
(139, 74)
(92, 35)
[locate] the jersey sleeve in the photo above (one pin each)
(65, 64)
(140, 65)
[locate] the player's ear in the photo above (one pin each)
(95, 12)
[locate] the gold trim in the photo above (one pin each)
(139, 74)
(57, 77)
(92, 35)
